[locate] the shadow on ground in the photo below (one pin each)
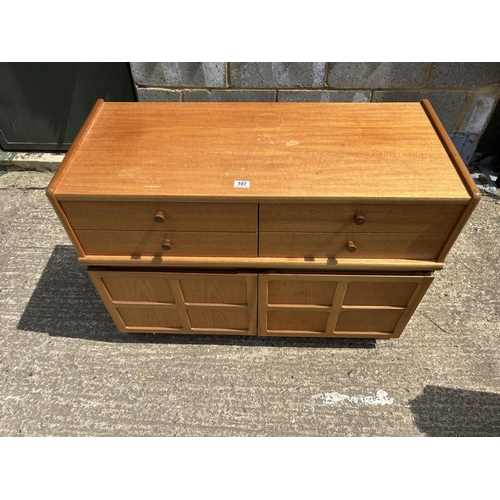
(66, 304)
(440, 411)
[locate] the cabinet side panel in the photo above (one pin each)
(96, 277)
(463, 173)
(61, 172)
(413, 303)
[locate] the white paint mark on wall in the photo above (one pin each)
(334, 398)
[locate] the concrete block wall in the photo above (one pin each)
(464, 95)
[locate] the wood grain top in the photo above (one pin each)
(311, 152)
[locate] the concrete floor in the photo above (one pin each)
(65, 371)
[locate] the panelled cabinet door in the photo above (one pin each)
(320, 305)
(187, 302)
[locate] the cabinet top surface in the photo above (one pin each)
(287, 151)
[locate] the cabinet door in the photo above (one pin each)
(172, 302)
(339, 305)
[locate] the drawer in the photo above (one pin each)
(366, 245)
(340, 218)
(179, 302)
(183, 244)
(338, 305)
(133, 215)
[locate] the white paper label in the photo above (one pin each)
(241, 184)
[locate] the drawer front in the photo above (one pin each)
(132, 215)
(340, 305)
(364, 218)
(365, 245)
(182, 244)
(186, 302)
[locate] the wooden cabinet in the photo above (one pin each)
(188, 302)
(286, 219)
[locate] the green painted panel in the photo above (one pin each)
(44, 105)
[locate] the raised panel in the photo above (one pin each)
(214, 290)
(373, 293)
(301, 292)
(138, 287)
(218, 319)
(150, 317)
(302, 321)
(382, 321)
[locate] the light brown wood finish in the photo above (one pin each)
(301, 292)
(368, 320)
(189, 244)
(413, 303)
(367, 245)
(379, 293)
(128, 287)
(340, 218)
(312, 264)
(188, 302)
(96, 275)
(291, 304)
(336, 308)
(391, 147)
(462, 171)
(181, 305)
(61, 171)
(125, 215)
(323, 179)
(137, 317)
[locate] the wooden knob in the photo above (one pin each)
(159, 216)
(359, 219)
(351, 247)
(167, 245)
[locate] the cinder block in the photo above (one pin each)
(448, 105)
(147, 73)
(184, 74)
(345, 75)
(322, 96)
(277, 74)
(465, 144)
(477, 116)
(158, 95)
(464, 74)
(228, 95)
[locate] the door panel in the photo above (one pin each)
(338, 305)
(144, 301)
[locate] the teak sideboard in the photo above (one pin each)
(285, 219)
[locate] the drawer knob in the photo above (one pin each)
(351, 247)
(167, 245)
(359, 219)
(159, 216)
